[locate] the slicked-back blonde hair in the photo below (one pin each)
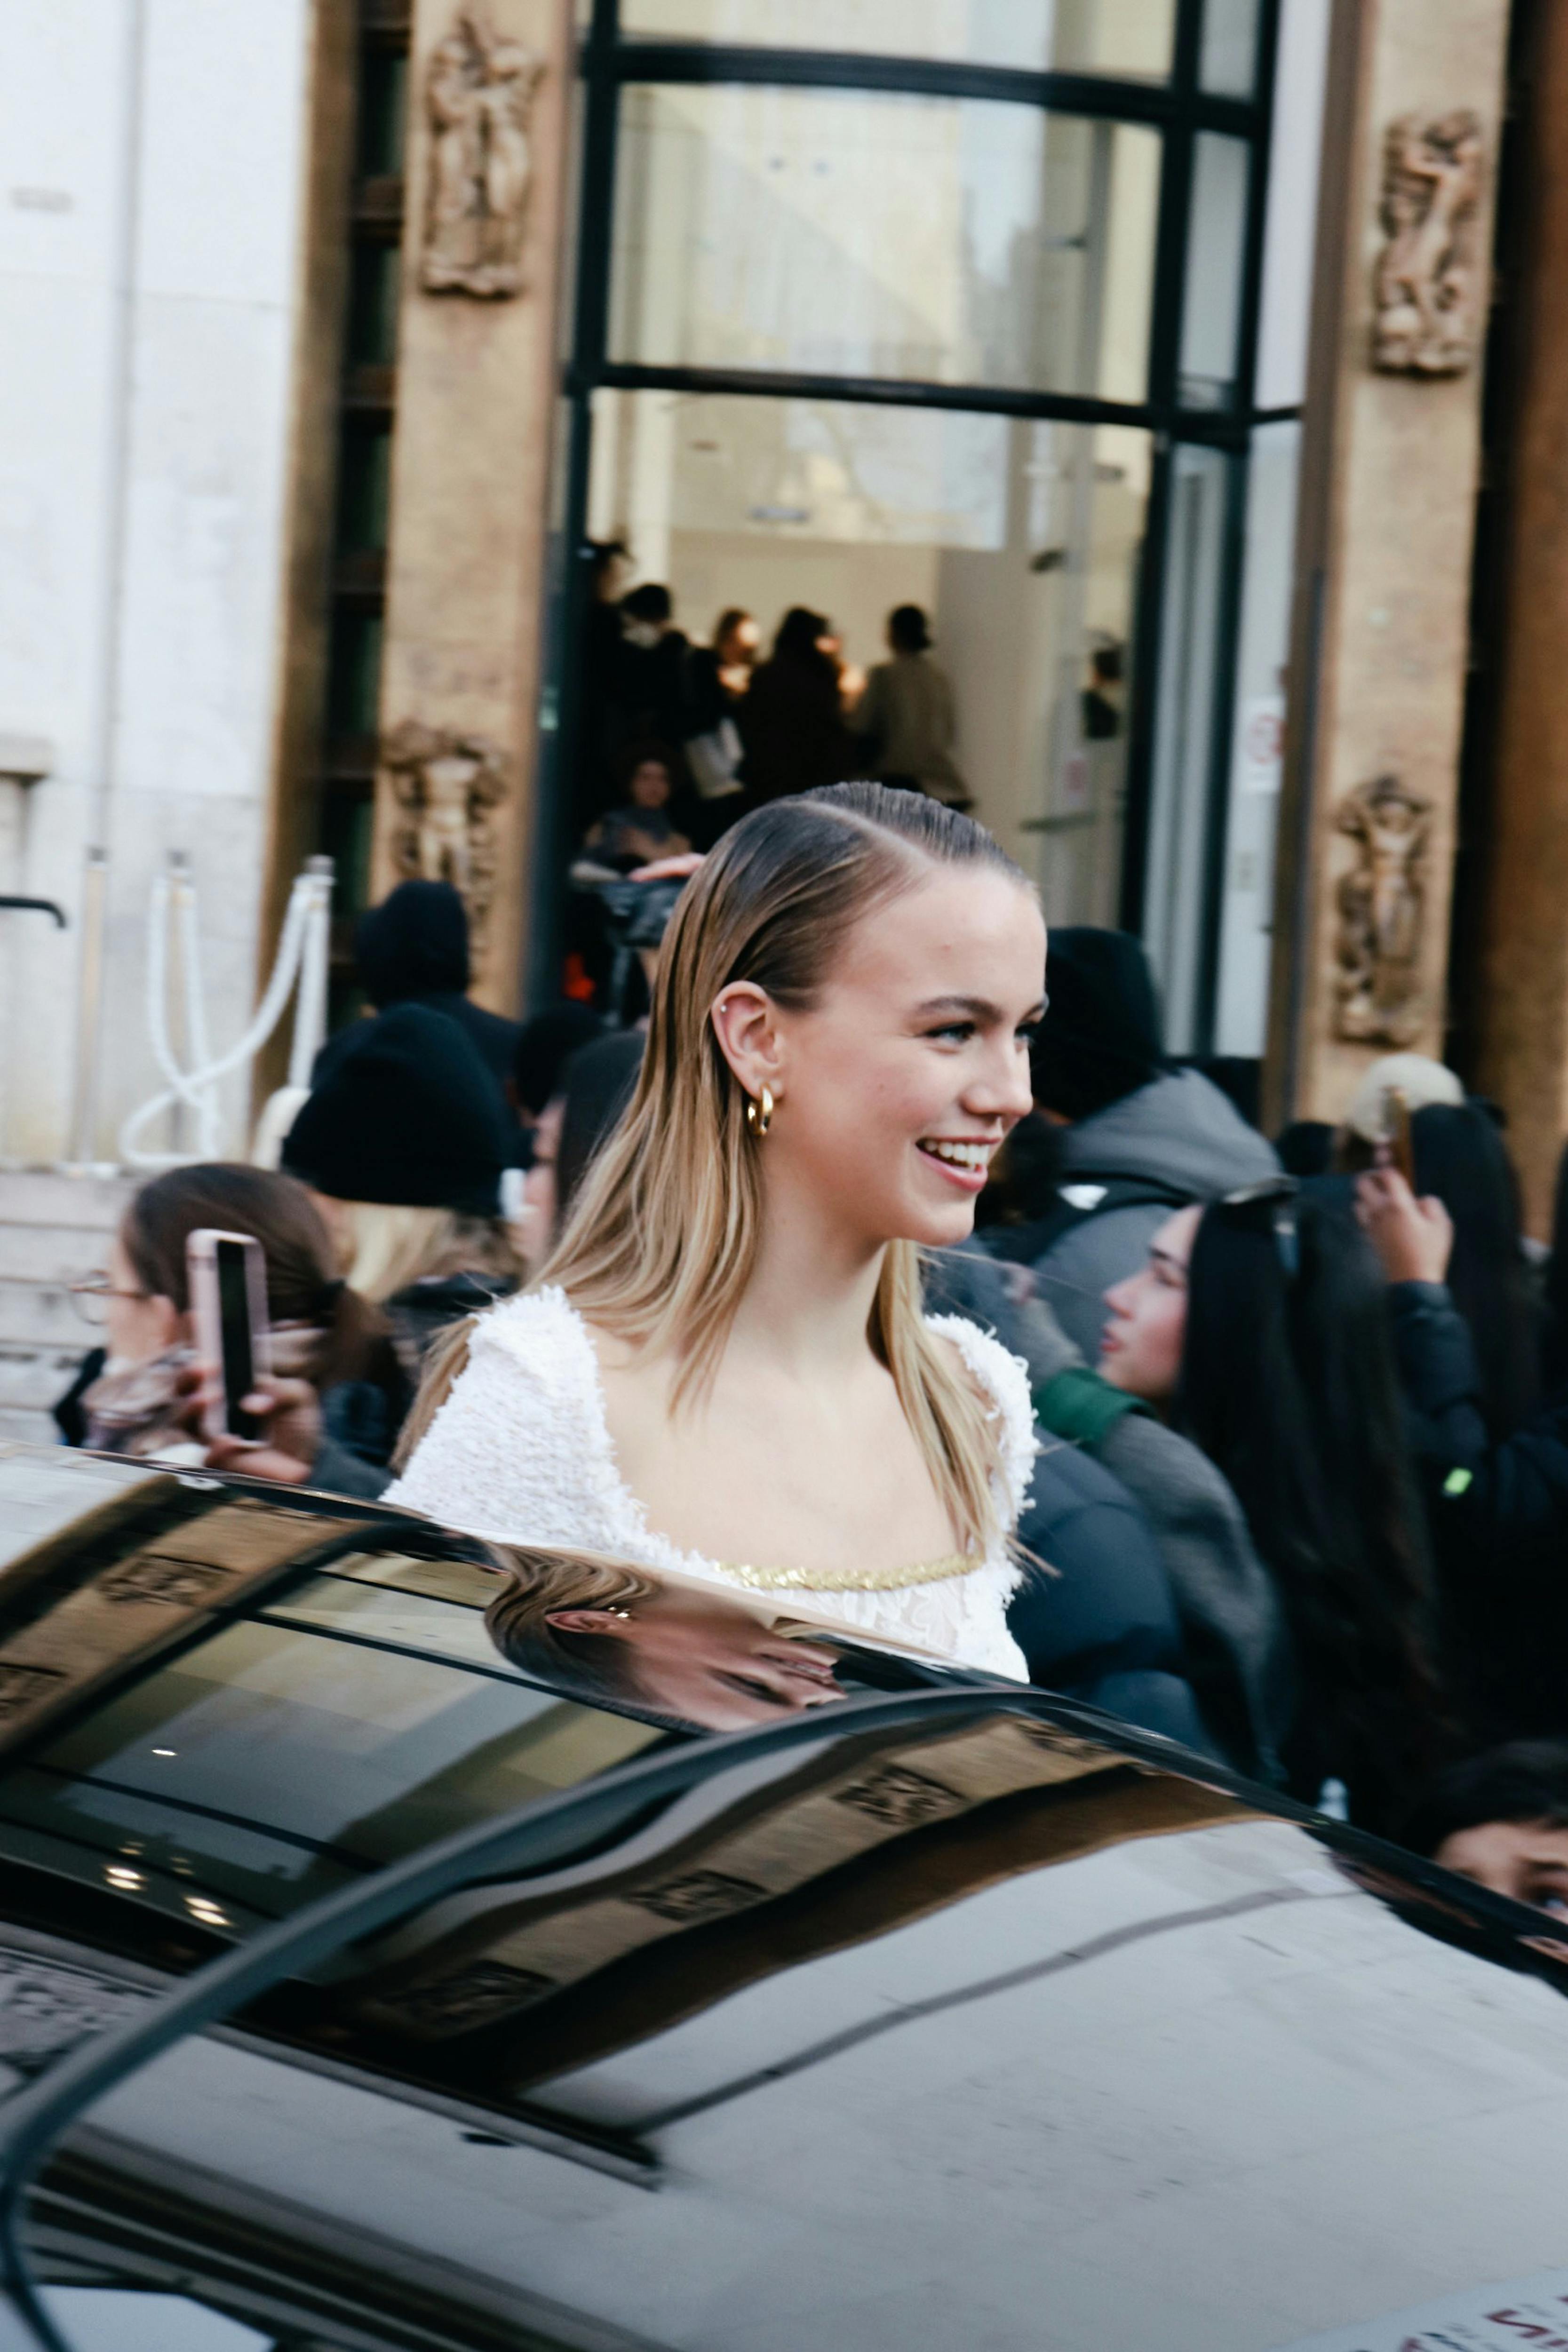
(662, 1238)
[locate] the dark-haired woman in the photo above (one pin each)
(1259, 1329)
(906, 720)
(327, 1345)
(792, 722)
(1461, 1158)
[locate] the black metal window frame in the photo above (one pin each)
(1179, 111)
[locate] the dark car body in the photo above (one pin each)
(940, 2013)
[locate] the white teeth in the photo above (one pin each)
(974, 1156)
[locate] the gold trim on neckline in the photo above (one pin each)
(850, 1579)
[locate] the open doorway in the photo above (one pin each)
(1018, 540)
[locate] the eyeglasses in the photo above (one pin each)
(91, 1295)
(1274, 1197)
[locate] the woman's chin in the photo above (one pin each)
(944, 1227)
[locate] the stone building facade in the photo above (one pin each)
(1144, 343)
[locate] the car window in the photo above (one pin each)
(287, 1752)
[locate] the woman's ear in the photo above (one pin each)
(589, 1620)
(745, 1023)
(170, 1328)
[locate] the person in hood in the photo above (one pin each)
(1138, 1140)
(414, 949)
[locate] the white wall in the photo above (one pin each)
(144, 433)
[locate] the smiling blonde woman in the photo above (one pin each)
(723, 1368)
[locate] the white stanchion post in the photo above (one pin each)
(197, 1087)
(89, 1011)
(311, 1002)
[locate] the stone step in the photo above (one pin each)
(55, 1254)
(17, 1428)
(53, 1228)
(41, 1196)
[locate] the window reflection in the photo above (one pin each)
(272, 1763)
(1108, 37)
(854, 233)
(686, 1651)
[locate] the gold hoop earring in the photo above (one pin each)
(760, 1113)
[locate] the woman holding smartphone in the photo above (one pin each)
(138, 1394)
(723, 1368)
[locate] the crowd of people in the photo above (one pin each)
(681, 739)
(859, 1274)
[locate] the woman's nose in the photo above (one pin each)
(1001, 1090)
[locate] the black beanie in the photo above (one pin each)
(409, 1116)
(416, 943)
(1101, 1038)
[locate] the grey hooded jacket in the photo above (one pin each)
(1180, 1138)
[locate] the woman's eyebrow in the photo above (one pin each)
(975, 1008)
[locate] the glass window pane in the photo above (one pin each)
(1211, 317)
(1228, 63)
(1175, 893)
(1258, 742)
(1020, 541)
(353, 672)
(365, 488)
(372, 305)
(848, 232)
(1111, 36)
(382, 112)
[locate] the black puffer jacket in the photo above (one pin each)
(1097, 1621)
(1498, 1514)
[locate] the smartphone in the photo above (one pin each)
(1397, 1133)
(228, 1291)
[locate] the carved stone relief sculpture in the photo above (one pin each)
(1382, 906)
(479, 94)
(1427, 285)
(445, 785)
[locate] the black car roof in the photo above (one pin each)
(927, 2017)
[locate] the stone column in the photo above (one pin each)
(1521, 1002)
(490, 86)
(1390, 463)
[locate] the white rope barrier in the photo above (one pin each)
(303, 953)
